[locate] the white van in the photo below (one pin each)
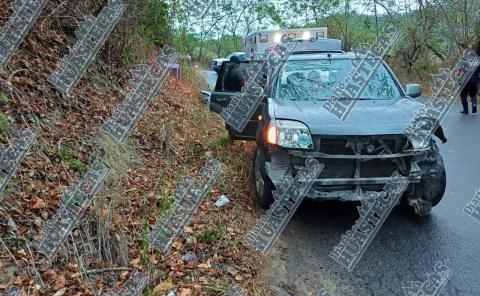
(256, 44)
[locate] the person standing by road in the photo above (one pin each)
(234, 80)
(470, 90)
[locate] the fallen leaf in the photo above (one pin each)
(72, 267)
(59, 283)
(39, 203)
(124, 275)
(117, 218)
(135, 262)
(44, 215)
(61, 292)
(49, 274)
(163, 287)
(206, 265)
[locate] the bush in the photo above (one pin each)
(155, 24)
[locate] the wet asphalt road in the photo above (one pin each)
(405, 248)
(210, 77)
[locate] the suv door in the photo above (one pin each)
(220, 99)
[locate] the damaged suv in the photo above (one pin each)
(360, 153)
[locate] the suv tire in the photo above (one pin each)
(263, 184)
(430, 191)
(434, 181)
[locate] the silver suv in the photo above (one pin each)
(360, 154)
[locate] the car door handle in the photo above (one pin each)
(221, 99)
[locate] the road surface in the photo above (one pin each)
(210, 77)
(405, 249)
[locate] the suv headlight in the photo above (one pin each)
(289, 134)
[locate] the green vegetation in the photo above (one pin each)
(433, 33)
(211, 234)
(194, 152)
(76, 166)
(4, 99)
(219, 143)
(164, 202)
(155, 24)
(4, 122)
(128, 55)
(147, 291)
(160, 208)
(67, 155)
(143, 243)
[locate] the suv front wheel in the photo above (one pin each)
(263, 184)
(430, 191)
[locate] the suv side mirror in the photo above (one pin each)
(413, 90)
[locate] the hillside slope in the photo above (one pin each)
(173, 139)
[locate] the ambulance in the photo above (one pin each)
(258, 43)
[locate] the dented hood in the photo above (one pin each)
(368, 117)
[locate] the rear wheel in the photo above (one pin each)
(263, 184)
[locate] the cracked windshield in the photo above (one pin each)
(316, 80)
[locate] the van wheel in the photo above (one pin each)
(263, 184)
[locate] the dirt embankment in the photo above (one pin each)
(173, 139)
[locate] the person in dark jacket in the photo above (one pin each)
(470, 89)
(234, 80)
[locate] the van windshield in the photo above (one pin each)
(316, 80)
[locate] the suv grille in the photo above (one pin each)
(361, 145)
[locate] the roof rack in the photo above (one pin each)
(318, 45)
(317, 51)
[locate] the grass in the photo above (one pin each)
(212, 234)
(76, 166)
(219, 143)
(194, 152)
(128, 55)
(147, 291)
(143, 244)
(165, 201)
(192, 75)
(4, 99)
(67, 155)
(4, 122)
(163, 204)
(206, 122)
(119, 157)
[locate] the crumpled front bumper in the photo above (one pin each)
(343, 178)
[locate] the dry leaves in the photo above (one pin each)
(74, 123)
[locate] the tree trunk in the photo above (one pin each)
(376, 16)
